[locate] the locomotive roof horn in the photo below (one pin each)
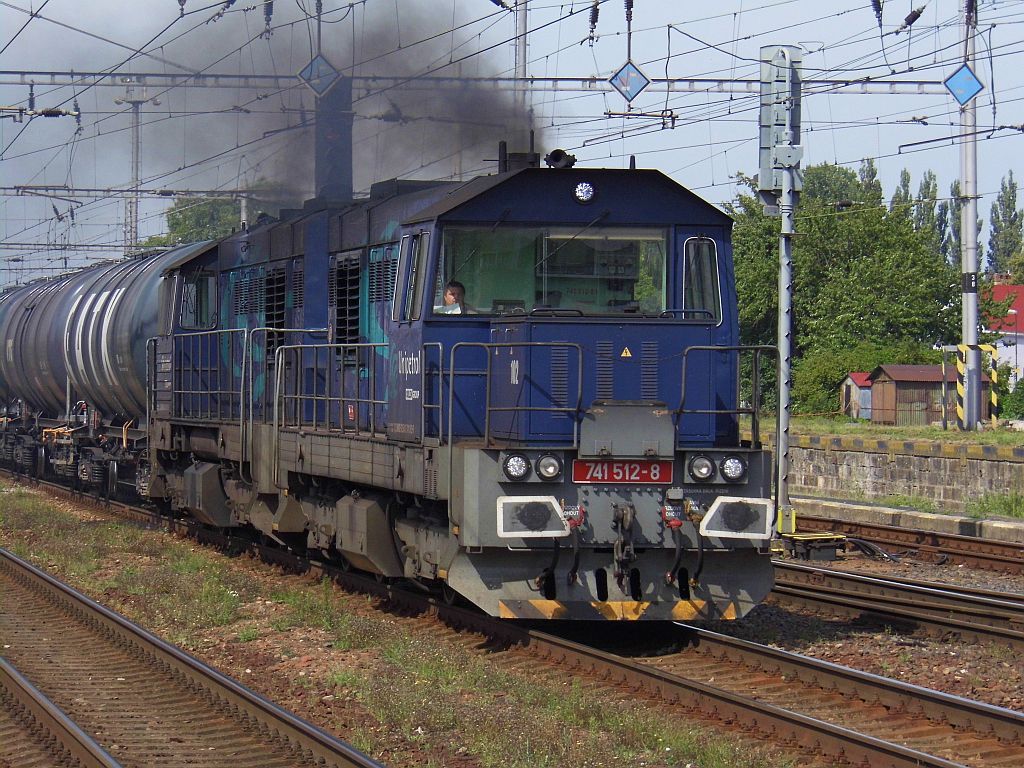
(559, 158)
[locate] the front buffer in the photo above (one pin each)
(615, 528)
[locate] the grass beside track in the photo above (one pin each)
(846, 427)
(428, 688)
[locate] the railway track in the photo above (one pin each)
(929, 545)
(825, 713)
(145, 701)
(937, 609)
(35, 733)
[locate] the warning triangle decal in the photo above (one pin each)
(626, 352)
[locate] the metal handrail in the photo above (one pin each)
(214, 367)
(440, 389)
(488, 346)
(754, 410)
(280, 397)
(245, 426)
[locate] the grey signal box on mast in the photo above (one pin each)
(779, 121)
(779, 183)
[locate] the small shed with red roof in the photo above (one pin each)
(1010, 327)
(911, 395)
(855, 395)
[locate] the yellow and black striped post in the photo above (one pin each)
(993, 374)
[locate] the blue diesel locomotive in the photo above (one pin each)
(523, 390)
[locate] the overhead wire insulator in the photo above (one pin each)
(913, 16)
(971, 12)
(268, 15)
(595, 11)
(31, 97)
(629, 10)
(876, 5)
(181, 8)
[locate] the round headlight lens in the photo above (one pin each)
(702, 468)
(516, 466)
(733, 468)
(549, 467)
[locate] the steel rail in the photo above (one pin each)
(941, 608)
(311, 741)
(968, 550)
(1002, 608)
(1005, 724)
(62, 734)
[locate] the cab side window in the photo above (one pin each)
(199, 301)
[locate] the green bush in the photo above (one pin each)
(1013, 403)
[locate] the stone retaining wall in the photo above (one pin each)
(950, 474)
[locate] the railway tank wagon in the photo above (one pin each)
(73, 372)
(562, 444)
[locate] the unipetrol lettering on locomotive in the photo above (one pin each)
(409, 365)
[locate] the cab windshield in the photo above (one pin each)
(590, 271)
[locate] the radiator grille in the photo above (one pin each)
(298, 287)
(649, 370)
(605, 371)
(248, 291)
(275, 301)
(559, 380)
(344, 299)
(382, 280)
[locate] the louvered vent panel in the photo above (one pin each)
(249, 292)
(649, 370)
(382, 280)
(559, 379)
(345, 289)
(298, 288)
(430, 481)
(275, 305)
(605, 371)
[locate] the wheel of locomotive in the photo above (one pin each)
(40, 467)
(450, 596)
(112, 479)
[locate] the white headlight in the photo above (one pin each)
(549, 467)
(733, 468)
(702, 468)
(516, 466)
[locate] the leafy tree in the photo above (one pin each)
(191, 220)
(755, 242)
(871, 187)
(926, 219)
(1005, 233)
(861, 272)
(1016, 267)
(951, 245)
(901, 198)
(943, 221)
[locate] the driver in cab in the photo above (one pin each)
(454, 300)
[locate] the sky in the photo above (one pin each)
(225, 138)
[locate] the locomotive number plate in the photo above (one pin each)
(601, 471)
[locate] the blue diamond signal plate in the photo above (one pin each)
(629, 81)
(964, 85)
(319, 75)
